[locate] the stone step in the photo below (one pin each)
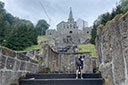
(88, 81)
(58, 75)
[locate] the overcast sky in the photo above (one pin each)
(58, 10)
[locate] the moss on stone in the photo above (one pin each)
(123, 16)
(117, 17)
(109, 22)
(101, 26)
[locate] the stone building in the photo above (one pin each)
(81, 23)
(68, 32)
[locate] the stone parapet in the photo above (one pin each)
(63, 62)
(14, 65)
(112, 50)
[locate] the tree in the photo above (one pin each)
(93, 34)
(2, 13)
(15, 33)
(122, 8)
(22, 36)
(41, 27)
(124, 5)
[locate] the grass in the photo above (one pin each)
(43, 38)
(88, 48)
(84, 47)
(35, 47)
(87, 37)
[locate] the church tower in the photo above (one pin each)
(70, 19)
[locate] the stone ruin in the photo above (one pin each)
(68, 33)
(15, 65)
(112, 49)
(62, 62)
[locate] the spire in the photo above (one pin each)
(70, 19)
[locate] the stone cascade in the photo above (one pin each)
(61, 79)
(14, 65)
(112, 49)
(63, 62)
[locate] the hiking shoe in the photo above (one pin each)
(76, 77)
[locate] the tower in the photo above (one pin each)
(70, 19)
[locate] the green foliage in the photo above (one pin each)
(22, 36)
(41, 27)
(97, 70)
(122, 8)
(124, 5)
(18, 34)
(125, 8)
(15, 33)
(93, 34)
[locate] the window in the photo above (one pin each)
(74, 26)
(70, 32)
(70, 26)
(67, 27)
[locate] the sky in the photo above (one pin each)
(58, 10)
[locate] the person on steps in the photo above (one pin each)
(79, 66)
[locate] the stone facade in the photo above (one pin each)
(63, 62)
(112, 49)
(14, 65)
(68, 32)
(81, 23)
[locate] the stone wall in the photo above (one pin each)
(112, 49)
(14, 65)
(62, 62)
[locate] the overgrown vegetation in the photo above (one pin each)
(122, 8)
(38, 46)
(18, 34)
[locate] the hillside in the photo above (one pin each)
(35, 47)
(88, 48)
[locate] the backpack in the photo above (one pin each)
(78, 62)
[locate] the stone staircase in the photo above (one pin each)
(61, 79)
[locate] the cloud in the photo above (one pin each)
(58, 10)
